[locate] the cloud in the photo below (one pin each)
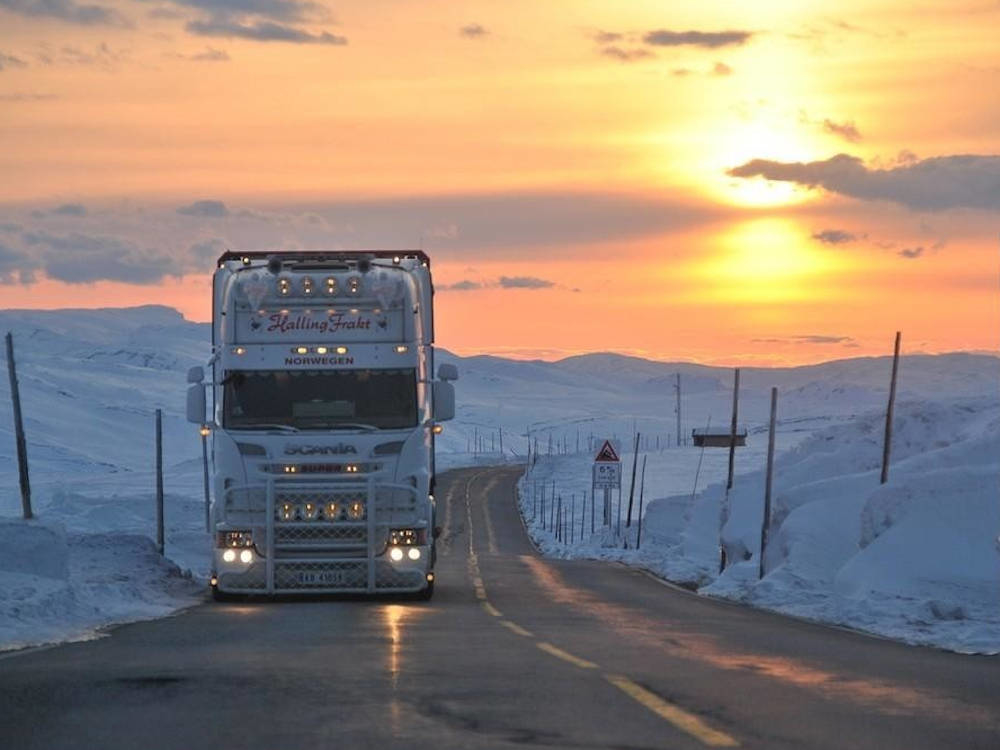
(845, 130)
(103, 55)
(465, 285)
(808, 338)
(65, 10)
(524, 282)
(276, 10)
(262, 31)
(9, 61)
(607, 37)
(80, 259)
(211, 209)
(207, 250)
(9, 226)
(473, 31)
(15, 266)
(627, 55)
(911, 252)
(27, 97)
(834, 237)
(70, 209)
(935, 184)
(710, 39)
(721, 69)
(209, 54)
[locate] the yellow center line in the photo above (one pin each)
(566, 656)
(677, 716)
(490, 609)
(515, 628)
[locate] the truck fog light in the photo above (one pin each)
(396, 554)
(310, 511)
(229, 555)
(356, 510)
(413, 553)
(246, 556)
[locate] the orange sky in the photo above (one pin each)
(585, 175)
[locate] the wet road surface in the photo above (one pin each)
(513, 651)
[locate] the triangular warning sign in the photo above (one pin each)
(607, 453)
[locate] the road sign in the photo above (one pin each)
(607, 453)
(607, 475)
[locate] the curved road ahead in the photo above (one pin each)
(513, 651)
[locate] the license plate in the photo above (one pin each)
(321, 578)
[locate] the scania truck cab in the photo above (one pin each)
(322, 408)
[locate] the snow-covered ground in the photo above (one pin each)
(92, 380)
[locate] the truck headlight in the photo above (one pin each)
(413, 553)
(396, 554)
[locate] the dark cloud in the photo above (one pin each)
(80, 259)
(209, 54)
(27, 97)
(627, 55)
(710, 39)
(524, 282)
(808, 338)
(505, 221)
(465, 285)
(70, 209)
(276, 10)
(845, 130)
(65, 10)
(911, 252)
(9, 61)
(15, 266)
(964, 181)
(211, 209)
(834, 237)
(207, 251)
(10, 227)
(262, 31)
(473, 31)
(607, 37)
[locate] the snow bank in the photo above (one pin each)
(58, 586)
(914, 559)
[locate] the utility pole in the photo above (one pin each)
(22, 446)
(887, 443)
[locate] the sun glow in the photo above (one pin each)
(768, 261)
(757, 140)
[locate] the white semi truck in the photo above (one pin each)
(322, 406)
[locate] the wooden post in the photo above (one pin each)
(765, 525)
(159, 481)
(22, 446)
(887, 443)
(631, 492)
(732, 431)
(642, 491)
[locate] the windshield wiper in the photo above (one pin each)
(350, 426)
(265, 426)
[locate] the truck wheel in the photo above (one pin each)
(222, 596)
(425, 594)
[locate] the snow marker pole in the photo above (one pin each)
(22, 446)
(642, 491)
(887, 443)
(631, 492)
(766, 522)
(159, 481)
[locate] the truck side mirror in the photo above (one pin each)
(444, 400)
(447, 372)
(196, 375)
(196, 404)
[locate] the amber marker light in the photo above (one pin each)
(205, 431)
(341, 350)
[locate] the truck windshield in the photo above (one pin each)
(320, 399)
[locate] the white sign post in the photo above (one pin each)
(607, 475)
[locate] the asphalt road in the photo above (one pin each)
(513, 651)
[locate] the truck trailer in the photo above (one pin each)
(322, 406)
